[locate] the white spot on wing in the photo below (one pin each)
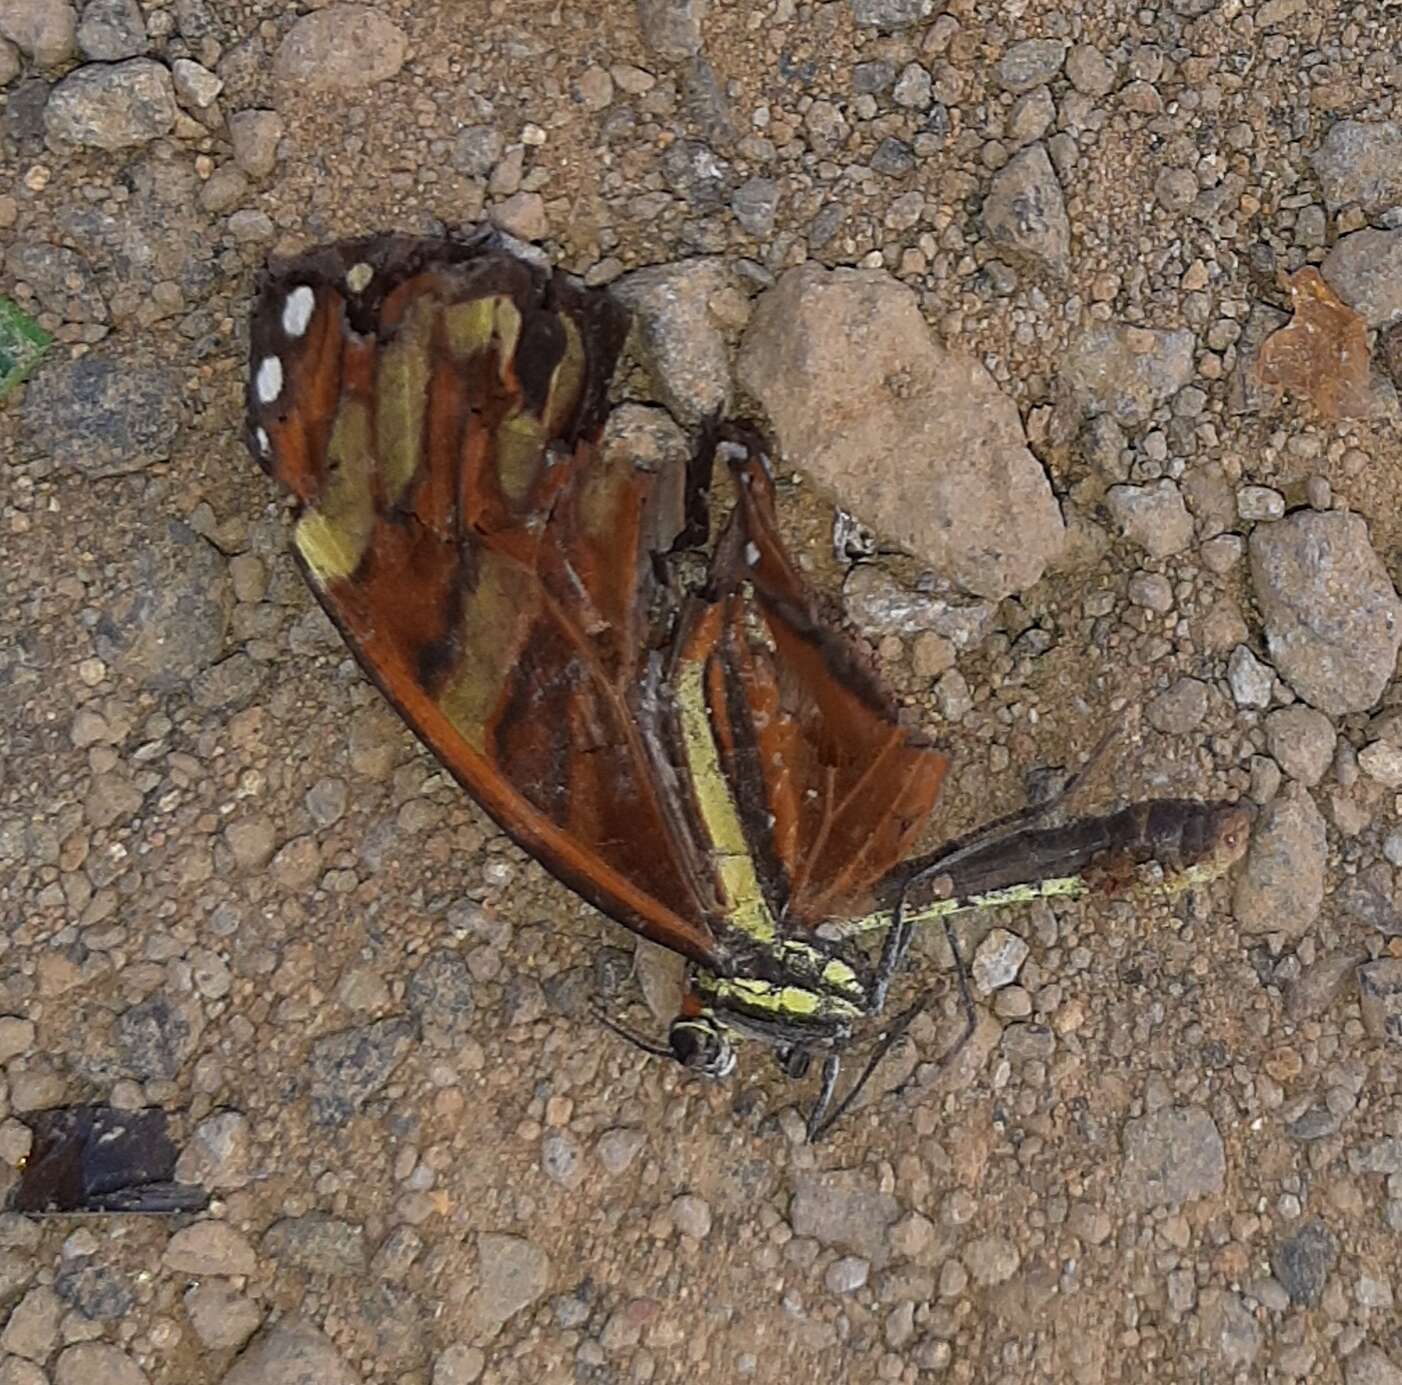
(358, 277)
(751, 554)
(297, 310)
(264, 442)
(267, 384)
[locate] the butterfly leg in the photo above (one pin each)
(824, 1115)
(819, 1119)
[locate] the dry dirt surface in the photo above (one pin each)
(233, 885)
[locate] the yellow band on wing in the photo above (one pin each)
(748, 910)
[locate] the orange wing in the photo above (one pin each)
(436, 408)
(831, 788)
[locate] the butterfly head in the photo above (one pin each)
(700, 1043)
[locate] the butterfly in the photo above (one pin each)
(714, 765)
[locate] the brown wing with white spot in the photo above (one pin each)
(435, 407)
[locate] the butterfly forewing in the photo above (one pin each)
(436, 409)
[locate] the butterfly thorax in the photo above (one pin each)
(793, 992)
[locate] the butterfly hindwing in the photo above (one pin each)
(845, 788)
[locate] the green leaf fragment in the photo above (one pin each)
(22, 342)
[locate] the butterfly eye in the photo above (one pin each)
(700, 1045)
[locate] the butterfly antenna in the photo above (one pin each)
(637, 1040)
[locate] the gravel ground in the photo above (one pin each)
(997, 276)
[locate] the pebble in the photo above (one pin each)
(847, 1275)
(513, 1274)
(223, 190)
(891, 14)
(1382, 761)
(1301, 740)
(879, 604)
(43, 29)
(991, 1259)
(32, 1329)
(61, 279)
(112, 105)
(913, 89)
(1025, 212)
(998, 960)
(1321, 983)
(16, 1037)
(673, 28)
(458, 1365)
(756, 204)
(1372, 1366)
(1303, 1261)
(14, 1370)
(217, 1155)
(796, 359)
(1282, 885)
(1334, 642)
(1363, 269)
(1229, 1328)
(1089, 71)
(680, 343)
(87, 1362)
(1171, 1157)
(562, 1159)
(618, 1148)
(844, 1212)
(1030, 63)
(209, 1247)
(196, 87)
(222, 1318)
(1250, 680)
(593, 88)
(291, 1352)
(1361, 161)
(1127, 371)
(111, 30)
(254, 136)
(349, 1067)
(318, 1243)
(1152, 517)
(691, 1216)
(1259, 503)
(522, 215)
(96, 417)
(1179, 709)
(1380, 996)
(157, 1036)
(340, 48)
